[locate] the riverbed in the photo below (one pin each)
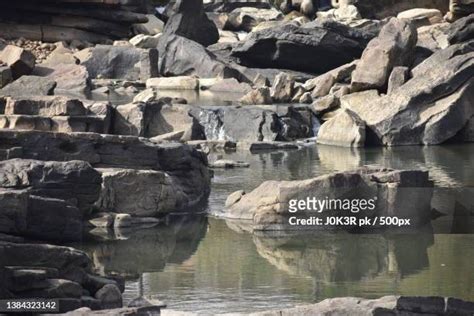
(205, 263)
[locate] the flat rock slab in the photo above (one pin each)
(29, 86)
(73, 181)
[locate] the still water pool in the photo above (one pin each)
(207, 264)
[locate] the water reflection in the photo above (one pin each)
(212, 265)
(135, 251)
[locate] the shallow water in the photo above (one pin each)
(208, 264)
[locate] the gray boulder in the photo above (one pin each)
(430, 108)
(262, 123)
(113, 62)
(48, 106)
(24, 214)
(180, 56)
(29, 86)
(461, 30)
(20, 61)
(344, 129)
(190, 21)
(73, 181)
(404, 193)
(312, 48)
(393, 47)
(5, 76)
(71, 79)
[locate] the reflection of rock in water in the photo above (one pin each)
(339, 158)
(345, 257)
(149, 250)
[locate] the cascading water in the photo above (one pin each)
(212, 123)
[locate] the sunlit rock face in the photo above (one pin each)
(385, 8)
(268, 207)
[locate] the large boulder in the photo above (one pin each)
(393, 47)
(140, 193)
(314, 47)
(462, 30)
(113, 62)
(71, 79)
(430, 108)
(20, 61)
(22, 213)
(73, 181)
(48, 106)
(262, 123)
(402, 193)
(29, 86)
(344, 129)
(180, 56)
(190, 21)
(246, 18)
(185, 165)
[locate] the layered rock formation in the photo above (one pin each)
(51, 21)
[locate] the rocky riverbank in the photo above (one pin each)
(108, 110)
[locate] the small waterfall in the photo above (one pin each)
(212, 123)
(315, 125)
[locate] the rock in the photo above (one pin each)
(225, 163)
(268, 205)
(325, 104)
(70, 79)
(433, 37)
(109, 296)
(296, 48)
(139, 193)
(171, 136)
(423, 305)
(393, 47)
(261, 81)
(173, 83)
(262, 123)
(20, 61)
(457, 306)
(257, 96)
(48, 106)
(102, 220)
(145, 96)
(190, 21)
(344, 129)
(180, 56)
(459, 9)
(61, 55)
(229, 6)
(246, 18)
(397, 78)
(271, 146)
(422, 16)
(29, 86)
(323, 85)
(135, 118)
(461, 30)
(5, 76)
(114, 62)
(154, 26)
(38, 217)
(430, 108)
(306, 98)
(145, 41)
(340, 74)
(73, 181)
(149, 64)
(282, 88)
(186, 166)
(230, 85)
